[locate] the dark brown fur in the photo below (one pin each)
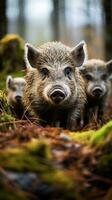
(96, 75)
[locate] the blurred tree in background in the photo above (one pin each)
(3, 18)
(66, 20)
(21, 18)
(107, 9)
(58, 16)
(11, 53)
(55, 19)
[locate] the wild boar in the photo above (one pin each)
(14, 89)
(54, 89)
(96, 74)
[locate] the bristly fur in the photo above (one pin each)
(54, 55)
(95, 106)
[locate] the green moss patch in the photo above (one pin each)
(11, 53)
(101, 136)
(6, 119)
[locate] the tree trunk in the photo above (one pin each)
(21, 18)
(55, 19)
(3, 18)
(107, 9)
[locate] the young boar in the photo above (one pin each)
(54, 88)
(96, 74)
(14, 88)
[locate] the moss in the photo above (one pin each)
(93, 137)
(100, 136)
(3, 103)
(10, 37)
(7, 122)
(101, 140)
(11, 53)
(30, 159)
(39, 147)
(6, 119)
(82, 137)
(4, 74)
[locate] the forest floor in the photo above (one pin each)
(52, 163)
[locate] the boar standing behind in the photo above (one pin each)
(54, 88)
(14, 89)
(96, 74)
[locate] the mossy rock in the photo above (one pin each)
(11, 53)
(31, 159)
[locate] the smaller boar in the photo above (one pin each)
(96, 74)
(14, 88)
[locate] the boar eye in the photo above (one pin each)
(104, 77)
(89, 77)
(45, 72)
(68, 72)
(14, 88)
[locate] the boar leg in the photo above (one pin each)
(101, 114)
(74, 121)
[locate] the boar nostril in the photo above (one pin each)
(57, 95)
(18, 98)
(97, 91)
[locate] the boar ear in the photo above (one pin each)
(9, 82)
(79, 53)
(31, 55)
(109, 66)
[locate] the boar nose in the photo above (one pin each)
(57, 95)
(97, 91)
(18, 98)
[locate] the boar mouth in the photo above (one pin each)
(57, 95)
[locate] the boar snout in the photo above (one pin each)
(97, 91)
(18, 98)
(57, 94)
